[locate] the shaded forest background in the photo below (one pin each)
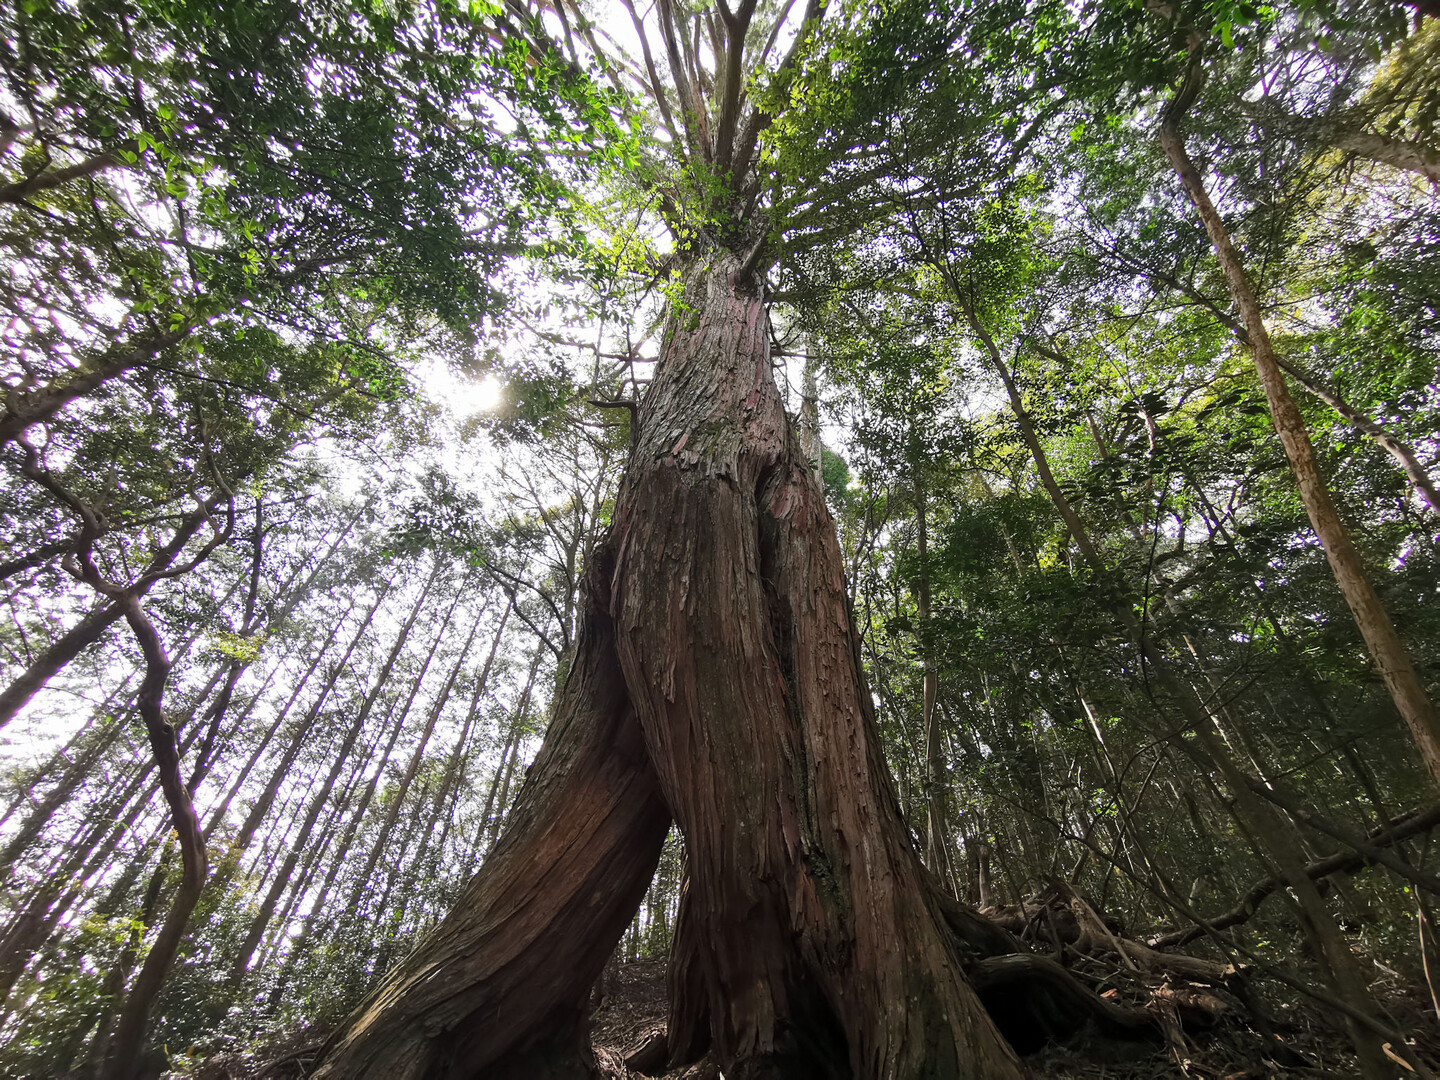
(321, 335)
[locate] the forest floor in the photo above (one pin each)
(1304, 1041)
(632, 1010)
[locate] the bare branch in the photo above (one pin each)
(689, 109)
(47, 179)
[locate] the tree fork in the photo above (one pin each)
(810, 941)
(813, 943)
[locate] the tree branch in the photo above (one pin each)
(1344, 862)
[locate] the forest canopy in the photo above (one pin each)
(917, 517)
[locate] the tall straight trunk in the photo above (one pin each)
(1387, 651)
(1280, 833)
(1400, 450)
(317, 804)
(215, 735)
(401, 874)
(937, 781)
(303, 882)
(77, 755)
(494, 813)
(356, 815)
(251, 622)
(299, 881)
(717, 673)
(405, 880)
(79, 771)
(214, 717)
(298, 738)
(454, 767)
(262, 745)
(397, 802)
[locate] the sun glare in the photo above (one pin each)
(477, 395)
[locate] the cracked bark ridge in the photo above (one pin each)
(809, 942)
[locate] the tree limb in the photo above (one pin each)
(1344, 862)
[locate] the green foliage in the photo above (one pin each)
(976, 232)
(1055, 242)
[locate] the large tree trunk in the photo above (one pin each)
(810, 942)
(716, 666)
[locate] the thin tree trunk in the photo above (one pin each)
(937, 781)
(1279, 832)
(1400, 450)
(302, 734)
(300, 887)
(92, 627)
(77, 755)
(495, 808)
(125, 1047)
(392, 812)
(317, 804)
(78, 772)
(407, 882)
(300, 883)
(356, 816)
(322, 852)
(206, 758)
(455, 766)
(1386, 649)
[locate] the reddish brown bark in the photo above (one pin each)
(811, 941)
(501, 984)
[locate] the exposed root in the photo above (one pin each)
(1096, 986)
(1033, 1000)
